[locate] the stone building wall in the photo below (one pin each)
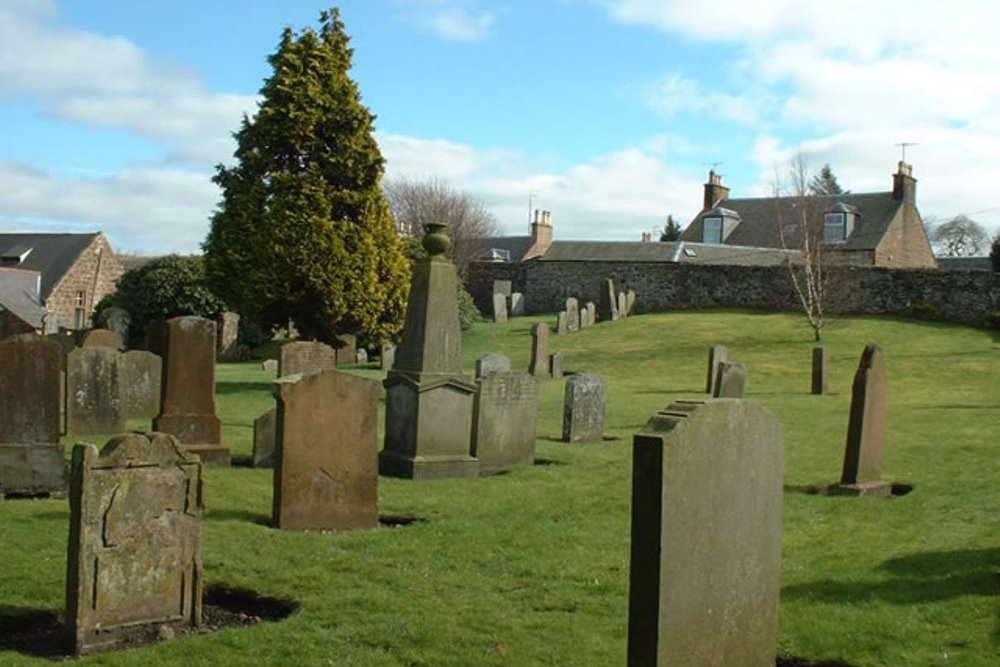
(90, 278)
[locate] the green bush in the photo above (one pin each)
(927, 310)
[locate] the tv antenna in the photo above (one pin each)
(714, 165)
(532, 196)
(902, 145)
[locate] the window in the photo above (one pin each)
(81, 298)
(834, 228)
(712, 230)
(79, 318)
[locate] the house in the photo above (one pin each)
(58, 277)
(867, 229)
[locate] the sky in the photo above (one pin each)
(608, 113)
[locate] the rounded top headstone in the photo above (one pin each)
(436, 241)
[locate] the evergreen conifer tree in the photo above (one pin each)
(303, 232)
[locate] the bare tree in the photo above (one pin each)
(414, 203)
(959, 237)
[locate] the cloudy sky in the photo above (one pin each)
(609, 112)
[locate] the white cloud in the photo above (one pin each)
(674, 94)
(459, 20)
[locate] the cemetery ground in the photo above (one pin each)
(530, 567)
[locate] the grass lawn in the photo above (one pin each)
(531, 567)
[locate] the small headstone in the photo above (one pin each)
(716, 355)
(264, 428)
(141, 372)
(505, 412)
(504, 287)
(95, 392)
(862, 473)
(586, 315)
(135, 539)
(304, 357)
(556, 365)
(499, 308)
(731, 381)
(607, 301)
(516, 304)
(572, 314)
(269, 365)
(819, 370)
(583, 408)
(326, 466)
(630, 303)
(101, 338)
(362, 356)
(228, 331)
(388, 356)
(117, 320)
(705, 571)
(539, 365)
(347, 349)
(562, 323)
(622, 306)
(488, 364)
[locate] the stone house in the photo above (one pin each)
(881, 229)
(56, 276)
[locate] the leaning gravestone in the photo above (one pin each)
(505, 412)
(134, 541)
(819, 370)
(187, 405)
(31, 458)
(572, 314)
(326, 455)
(862, 473)
(228, 332)
(630, 303)
(516, 304)
(562, 323)
(556, 365)
(716, 355)
(705, 571)
(539, 365)
(583, 408)
(499, 308)
(607, 301)
(101, 338)
(264, 434)
(141, 372)
(117, 320)
(731, 380)
(95, 391)
(304, 357)
(492, 363)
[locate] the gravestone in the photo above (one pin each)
(731, 381)
(862, 473)
(31, 458)
(607, 301)
(716, 355)
(504, 287)
(187, 389)
(819, 370)
(505, 413)
(516, 304)
(347, 349)
(556, 365)
(572, 314)
(135, 539)
(264, 436)
(101, 338)
(228, 331)
(562, 323)
(388, 356)
(622, 306)
(499, 308)
(587, 315)
(630, 303)
(326, 454)
(95, 392)
(705, 571)
(492, 363)
(539, 364)
(269, 365)
(362, 356)
(117, 320)
(304, 357)
(583, 408)
(141, 372)
(428, 415)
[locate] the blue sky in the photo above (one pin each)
(611, 111)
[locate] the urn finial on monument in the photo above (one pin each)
(436, 241)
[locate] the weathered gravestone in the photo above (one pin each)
(516, 304)
(388, 356)
(819, 370)
(101, 338)
(607, 301)
(31, 458)
(326, 455)
(362, 356)
(583, 408)
(347, 349)
(95, 392)
(305, 357)
(141, 372)
(269, 365)
(134, 541)
(716, 355)
(572, 314)
(499, 308)
(587, 315)
(504, 287)
(187, 389)
(630, 303)
(622, 306)
(428, 416)
(862, 473)
(505, 413)
(705, 568)
(492, 363)
(556, 365)
(539, 364)
(264, 435)
(731, 381)
(117, 320)
(228, 331)
(562, 323)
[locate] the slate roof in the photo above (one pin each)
(18, 294)
(52, 255)
(654, 251)
(515, 245)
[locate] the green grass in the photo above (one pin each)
(531, 567)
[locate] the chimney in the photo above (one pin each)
(904, 186)
(541, 234)
(715, 191)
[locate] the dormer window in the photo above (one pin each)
(838, 223)
(712, 230)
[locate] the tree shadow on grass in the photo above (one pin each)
(240, 515)
(238, 387)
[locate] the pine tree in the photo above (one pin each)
(825, 183)
(671, 231)
(303, 232)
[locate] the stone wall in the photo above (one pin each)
(93, 275)
(965, 297)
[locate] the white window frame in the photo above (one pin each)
(835, 227)
(715, 234)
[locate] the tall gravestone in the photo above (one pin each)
(95, 392)
(630, 303)
(141, 374)
(622, 306)
(428, 423)
(326, 454)
(572, 314)
(717, 354)
(583, 408)
(607, 301)
(388, 358)
(304, 357)
(499, 308)
(562, 323)
(228, 333)
(819, 370)
(504, 287)
(31, 458)
(505, 414)
(187, 389)
(539, 364)
(730, 381)
(134, 541)
(117, 320)
(705, 570)
(862, 473)
(265, 433)
(556, 365)
(516, 304)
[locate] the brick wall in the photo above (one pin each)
(92, 276)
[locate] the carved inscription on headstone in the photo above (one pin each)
(505, 412)
(141, 371)
(95, 400)
(583, 407)
(305, 357)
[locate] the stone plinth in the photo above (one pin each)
(505, 415)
